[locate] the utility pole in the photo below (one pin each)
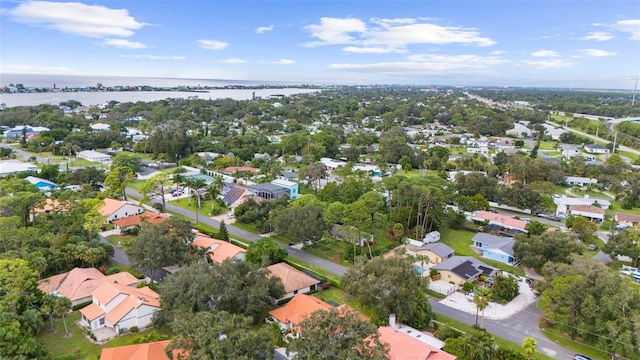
(613, 149)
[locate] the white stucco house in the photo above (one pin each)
(120, 307)
(596, 149)
(118, 209)
(93, 156)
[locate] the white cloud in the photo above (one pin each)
(212, 44)
(425, 64)
(499, 52)
(629, 26)
(233, 61)
(264, 29)
(544, 64)
(544, 53)
(372, 50)
(390, 34)
(154, 57)
(29, 69)
(126, 44)
(332, 31)
(77, 18)
(596, 52)
(598, 36)
(284, 62)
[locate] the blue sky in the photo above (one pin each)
(505, 43)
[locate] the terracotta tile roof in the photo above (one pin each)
(79, 283)
(220, 250)
(134, 299)
(48, 206)
(92, 311)
(627, 218)
(137, 220)
(110, 206)
(587, 208)
(148, 351)
(405, 347)
(299, 307)
(241, 168)
(505, 220)
(292, 278)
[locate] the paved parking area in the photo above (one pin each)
(495, 311)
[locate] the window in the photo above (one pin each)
(101, 321)
(295, 292)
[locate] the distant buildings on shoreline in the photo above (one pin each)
(21, 88)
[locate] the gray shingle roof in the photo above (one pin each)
(437, 248)
(466, 267)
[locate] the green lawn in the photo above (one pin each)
(548, 145)
(628, 154)
(136, 185)
(78, 346)
(460, 242)
(556, 336)
(120, 241)
(616, 207)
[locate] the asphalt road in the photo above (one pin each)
(234, 231)
(519, 326)
(118, 255)
(621, 147)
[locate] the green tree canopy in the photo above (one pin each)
(337, 334)
(265, 251)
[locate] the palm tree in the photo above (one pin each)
(422, 259)
(196, 185)
(481, 299)
(529, 346)
(215, 189)
(61, 307)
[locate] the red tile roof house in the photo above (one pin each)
(403, 346)
(138, 220)
(294, 280)
(118, 209)
(504, 221)
(120, 307)
(78, 284)
(147, 351)
(591, 212)
(626, 219)
(219, 250)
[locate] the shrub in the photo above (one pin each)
(467, 286)
(134, 329)
(81, 305)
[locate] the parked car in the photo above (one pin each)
(230, 216)
(581, 357)
(592, 247)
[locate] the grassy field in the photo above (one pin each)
(120, 241)
(460, 241)
(616, 207)
(77, 346)
(556, 336)
(548, 145)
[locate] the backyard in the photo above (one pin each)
(77, 346)
(460, 242)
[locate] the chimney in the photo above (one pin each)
(392, 320)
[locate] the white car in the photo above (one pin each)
(230, 216)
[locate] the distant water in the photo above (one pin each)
(95, 98)
(73, 81)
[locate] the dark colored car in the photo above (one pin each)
(581, 357)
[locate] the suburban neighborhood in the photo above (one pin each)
(420, 228)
